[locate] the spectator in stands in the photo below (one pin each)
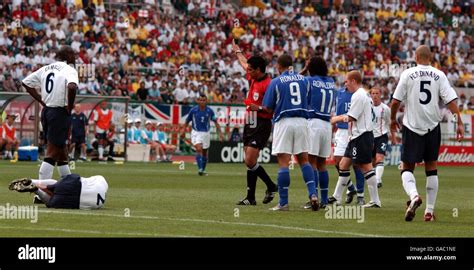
(142, 92)
(9, 84)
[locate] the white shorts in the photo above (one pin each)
(290, 136)
(199, 137)
(319, 138)
(93, 192)
(341, 139)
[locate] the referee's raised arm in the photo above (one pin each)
(240, 56)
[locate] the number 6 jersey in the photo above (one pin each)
(420, 88)
(53, 80)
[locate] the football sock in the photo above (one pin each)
(47, 182)
(43, 195)
(308, 176)
(251, 183)
(283, 185)
(379, 171)
(63, 168)
(316, 181)
(431, 190)
(372, 186)
(360, 181)
(350, 186)
(265, 177)
(101, 152)
(409, 184)
(199, 161)
(341, 183)
(324, 184)
(204, 163)
(46, 170)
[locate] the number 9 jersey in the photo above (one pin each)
(53, 80)
(420, 88)
(287, 96)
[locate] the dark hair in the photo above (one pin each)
(66, 53)
(202, 95)
(285, 61)
(257, 62)
(317, 67)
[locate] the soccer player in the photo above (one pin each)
(421, 88)
(70, 192)
(319, 127)
(58, 82)
(257, 128)
(102, 120)
(287, 97)
(361, 139)
(79, 132)
(9, 137)
(381, 128)
(341, 139)
(201, 116)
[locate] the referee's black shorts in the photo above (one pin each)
(257, 136)
(360, 148)
(56, 124)
(417, 148)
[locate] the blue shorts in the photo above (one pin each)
(66, 192)
(56, 124)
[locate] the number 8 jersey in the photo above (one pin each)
(420, 88)
(53, 80)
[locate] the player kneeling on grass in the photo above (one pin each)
(70, 192)
(201, 116)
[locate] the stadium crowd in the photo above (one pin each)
(150, 51)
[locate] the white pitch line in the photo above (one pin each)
(220, 222)
(94, 232)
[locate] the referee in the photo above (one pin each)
(258, 126)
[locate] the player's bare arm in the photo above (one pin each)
(71, 96)
(342, 118)
(394, 126)
(453, 107)
(34, 94)
(238, 52)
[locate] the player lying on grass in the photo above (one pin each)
(70, 192)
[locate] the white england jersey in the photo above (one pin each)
(93, 192)
(420, 88)
(361, 111)
(381, 120)
(53, 80)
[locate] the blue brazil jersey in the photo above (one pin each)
(287, 96)
(343, 104)
(201, 119)
(322, 97)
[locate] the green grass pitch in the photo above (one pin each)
(159, 200)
